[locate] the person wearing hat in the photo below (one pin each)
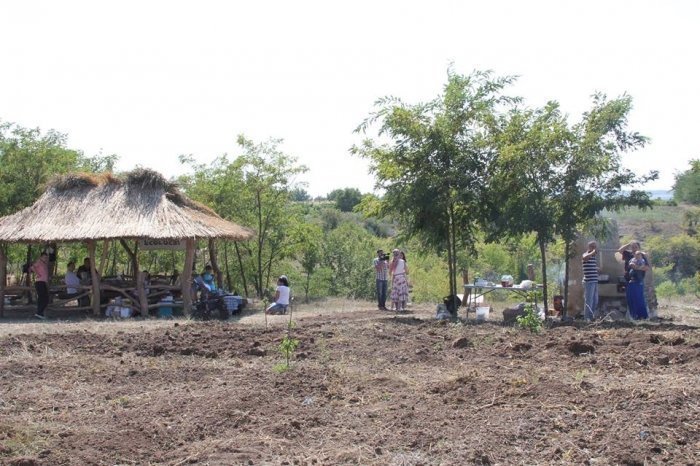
(281, 300)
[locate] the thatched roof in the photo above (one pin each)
(139, 204)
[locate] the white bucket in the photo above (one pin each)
(482, 313)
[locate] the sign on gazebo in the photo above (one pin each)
(148, 244)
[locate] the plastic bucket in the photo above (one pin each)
(482, 313)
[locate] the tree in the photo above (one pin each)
(254, 190)
(687, 185)
(29, 158)
(553, 180)
(434, 166)
(523, 189)
(299, 194)
(593, 178)
(347, 253)
(309, 240)
(345, 199)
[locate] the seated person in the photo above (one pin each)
(208, 278)
(71, 281)
(281, 299)
(84, 272)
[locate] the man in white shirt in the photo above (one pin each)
(71, 280)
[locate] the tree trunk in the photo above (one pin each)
(28, 276)
(567, 253)
(104, 257)
(3, 278)
(95, 279)
(228, 271)
(141, 293)
(306, 287)
(137, 276)
(215, 264)
(240, 264)
(186, 283)
(544, 274)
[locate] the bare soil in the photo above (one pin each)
(365, 387)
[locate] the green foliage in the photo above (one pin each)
(287, 347)
(348, 252)
(685, 287)
(299, 194)
(253, 190)
(553, 179)
(30, 157)
(531, 320)
(681, 253)
(687, 185)
(433, 166)
(345, 199)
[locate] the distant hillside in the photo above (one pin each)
(663, 221)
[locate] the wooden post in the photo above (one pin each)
(3, 278)
(215, 264)
(105, 254)
(141, 291)
(134, 261)
(95, 279)
(186, 281)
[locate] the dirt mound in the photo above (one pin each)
(363, 388)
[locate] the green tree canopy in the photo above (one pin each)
(30, 157)
(687, 185)
(431, 160)
(345, 199)
(254, 189)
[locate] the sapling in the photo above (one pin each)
(531, 320)
(287, 347)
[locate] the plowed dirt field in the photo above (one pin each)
(364, 387)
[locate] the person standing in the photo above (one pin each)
(399, 282)
(636, 266)
(41, 283)
(590, 281)
(381, 272)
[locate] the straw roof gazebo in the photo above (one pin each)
(140, 204)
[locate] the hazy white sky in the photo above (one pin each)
(149, 80)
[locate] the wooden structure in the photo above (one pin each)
(137, 205)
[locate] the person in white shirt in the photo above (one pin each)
(71, 280)
(281, 299)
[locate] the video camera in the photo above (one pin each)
(385, 257)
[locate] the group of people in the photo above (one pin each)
(636, 264)
(396, 268)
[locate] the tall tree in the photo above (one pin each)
(687, 185)
(345, 199)
(253, 189)
(434, 164)
(553, 179)
(592, 176)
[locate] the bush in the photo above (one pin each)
(666, 289)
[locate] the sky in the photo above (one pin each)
(150, 80)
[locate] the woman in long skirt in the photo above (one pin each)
(635, 271)
(399, 281)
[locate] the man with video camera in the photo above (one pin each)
(381, 269)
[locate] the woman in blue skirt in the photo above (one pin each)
(636, 266)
